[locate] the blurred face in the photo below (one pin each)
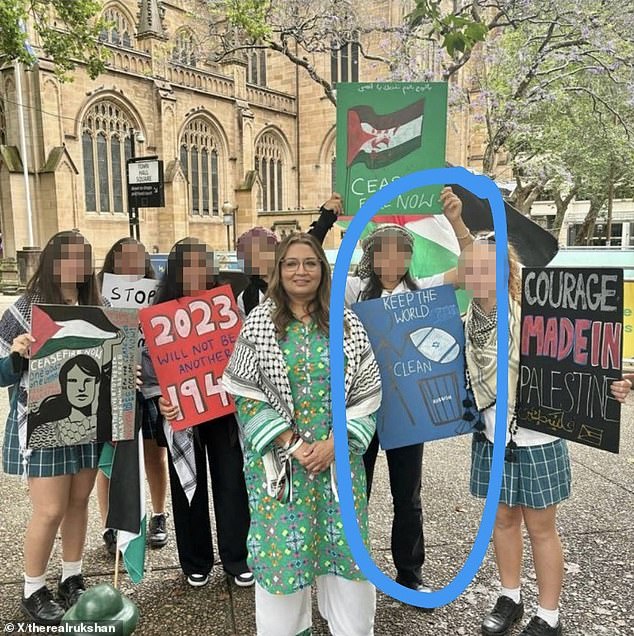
(81, 388)
(130, 260)
(194, 271)
(476, 270)
(300, 272)
(75, 263)
(259, 257)
(391, 259)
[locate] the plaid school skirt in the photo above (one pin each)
(151, 420)
(539, 477)
(45, 462)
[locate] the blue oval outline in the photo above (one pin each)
(484, 188)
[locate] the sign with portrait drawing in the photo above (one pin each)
(82, 375)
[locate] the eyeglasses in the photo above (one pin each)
(292, 264)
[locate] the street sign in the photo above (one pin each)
(145, 183)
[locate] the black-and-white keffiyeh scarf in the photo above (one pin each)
(366, 263)
(16, 321)
(257, 370)
(481, 353)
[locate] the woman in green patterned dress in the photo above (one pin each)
(279, 374)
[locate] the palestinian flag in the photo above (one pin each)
(379, 140)
(123, 464)
(57, 327)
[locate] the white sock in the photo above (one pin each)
(511, 592)
(550, 616)
(33, 584)
(70, 568)
(157, 514)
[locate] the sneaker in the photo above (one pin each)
(198, 580)
(110, 541)
(70, 590)
(539, 627)
(245, 579)
(42, 608)
(157, 534)
(502, 617)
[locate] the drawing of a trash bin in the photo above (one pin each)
(441, 395)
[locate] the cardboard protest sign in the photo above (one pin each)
(128, 291)
(190, 341)
(82, 375)
(571, 351)
(418, 340)
(386, 131)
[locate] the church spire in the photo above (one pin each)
(150, 18)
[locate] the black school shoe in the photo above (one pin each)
(70, 590)
(157, 535)
(110, 541)
(42, 608)
(502, 617)
(539, 627)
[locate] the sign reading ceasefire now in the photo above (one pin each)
(190, 341)
(571, 352)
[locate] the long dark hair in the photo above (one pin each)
(57, 407)
(171, 285)
(319, 307)
(43, 281)
(117, 248)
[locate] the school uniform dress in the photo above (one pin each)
(405, 466)
(16, 458)
(539, 476)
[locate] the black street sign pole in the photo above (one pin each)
(133, 212)
(145, 187)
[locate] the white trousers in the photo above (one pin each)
(348, 606)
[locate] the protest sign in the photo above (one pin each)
(571, 351)
(418, 340)
(386, 131)
(190, 341)
(82, 375)
(128, 291)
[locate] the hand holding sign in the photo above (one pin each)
(190, 341)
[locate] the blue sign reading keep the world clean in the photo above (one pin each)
(418, 341)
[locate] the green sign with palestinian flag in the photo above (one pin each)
(386, 131)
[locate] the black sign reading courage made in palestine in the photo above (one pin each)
(571, 349)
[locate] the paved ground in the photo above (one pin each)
(595, 524)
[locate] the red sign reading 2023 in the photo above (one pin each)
(190, 341)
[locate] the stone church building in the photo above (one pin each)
(254, 134)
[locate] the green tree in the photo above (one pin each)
(66, 30)
(557, 95)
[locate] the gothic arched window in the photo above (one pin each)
(256, 67)
(270, 165)
(344, 62)
(185, 50)
(199, 158)
(106, 146)
(119, 30)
